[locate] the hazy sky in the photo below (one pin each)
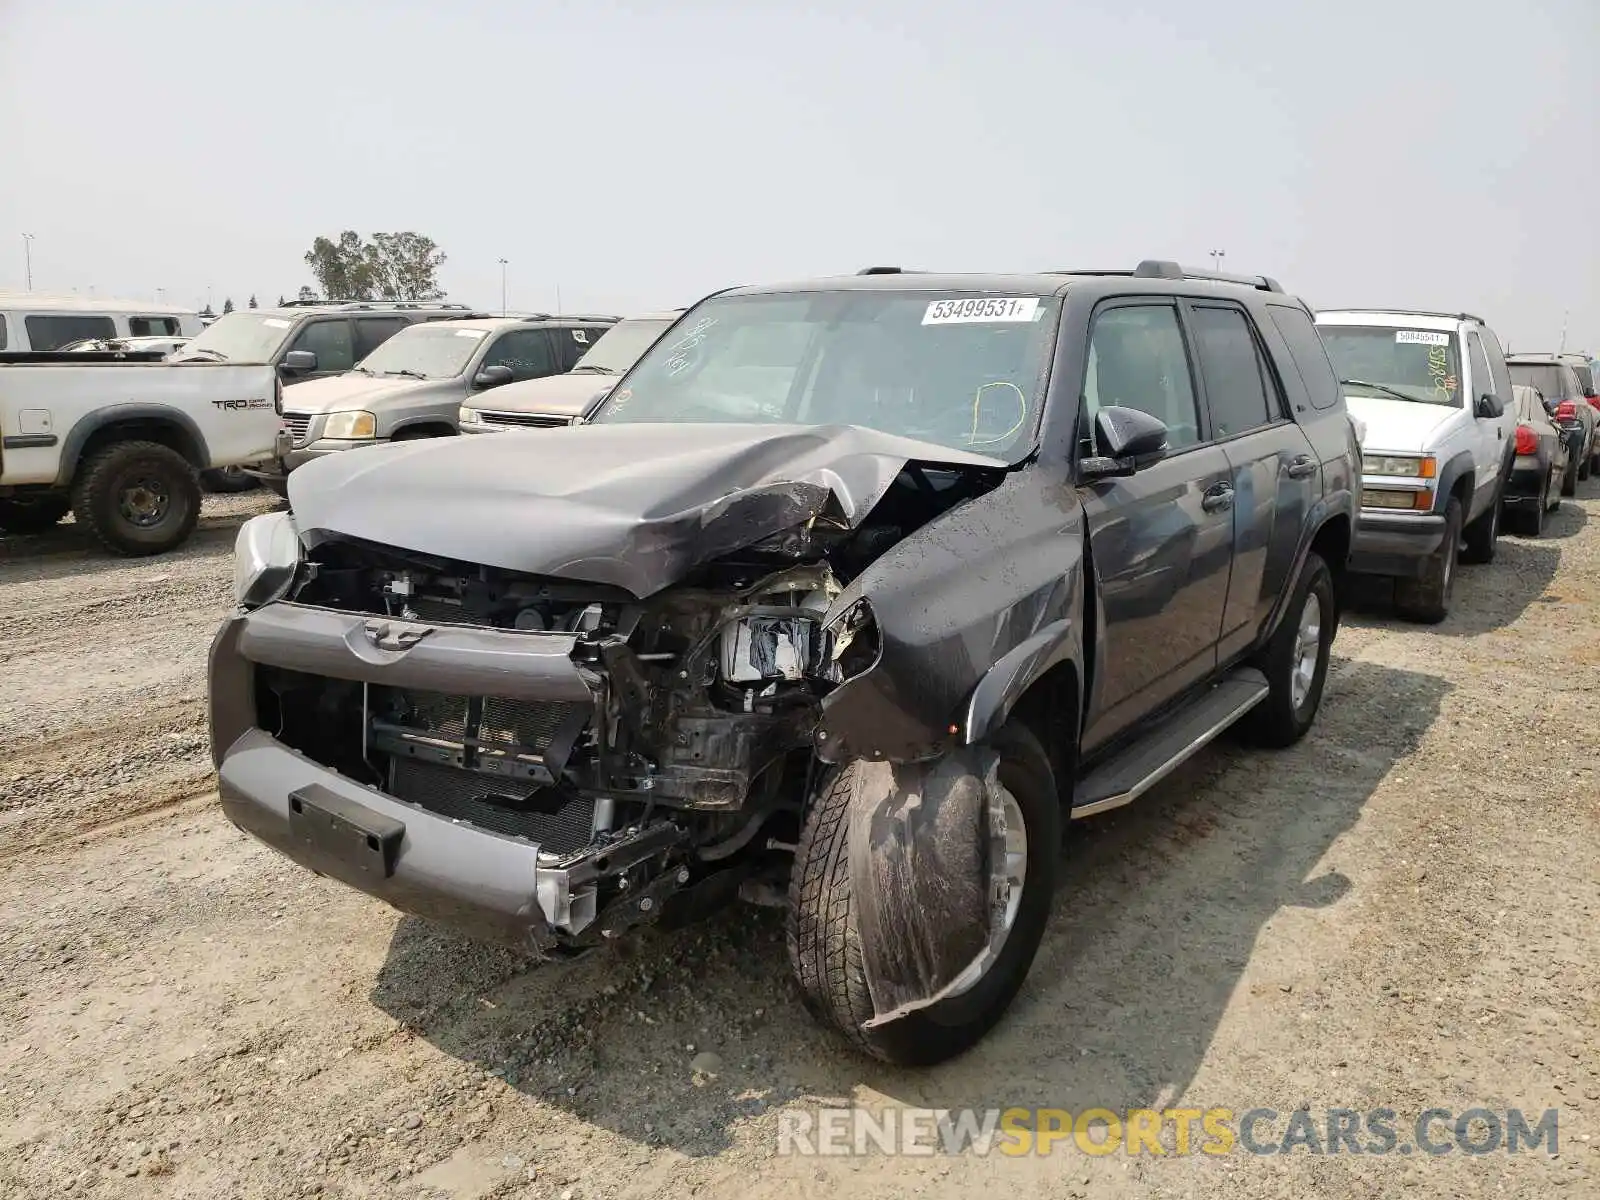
(1400, 152)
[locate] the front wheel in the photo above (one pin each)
(1427, 599)
(824, 933)
(33, 514)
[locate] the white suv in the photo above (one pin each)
(1434, 395)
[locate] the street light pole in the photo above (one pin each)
(1216, 259)
(27, 255)
(503, 286)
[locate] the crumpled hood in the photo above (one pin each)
(566, 395)
(337, 393)
(1400, 425)
(637, 506)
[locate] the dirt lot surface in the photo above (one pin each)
(1400, 912)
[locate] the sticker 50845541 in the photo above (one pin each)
(981, 308)
(1422, 337)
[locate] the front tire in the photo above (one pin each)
(138, 497)
(33, 514)
(1484, 533)
(824, 935)
(1428, 599)
(1295, 661)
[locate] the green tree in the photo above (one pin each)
(306, 294)
(389, 266)
(227, 306)
(253, 303)
(281, 300)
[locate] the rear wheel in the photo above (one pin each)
(1295, 661)
(1569, 481)
(824, 935)
(1530, 520)
(1427, 599)
(33, 514)
(138, 498)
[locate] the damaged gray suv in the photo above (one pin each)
(851, 594)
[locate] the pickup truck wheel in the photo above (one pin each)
(1427, 599)
(138, 498)
(824, 936)
(34, 514)
(227, 480)
(1295, 661)
(1484, 533)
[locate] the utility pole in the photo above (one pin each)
(503, 263)
(27, 255)
(1216, 259)
(558, 299)
(1561, 349)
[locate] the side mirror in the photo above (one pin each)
(1129, 439)
(1488, 405)
(299, 362)
(493, 376)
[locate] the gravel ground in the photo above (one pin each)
(1400, 912)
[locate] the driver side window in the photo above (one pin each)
(1137, 360)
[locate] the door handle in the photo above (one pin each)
(1300, 466)
(1218, 499)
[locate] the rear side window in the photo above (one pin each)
(1231, 368)
(372, 332)
(330, 342)
(55, 331)
(1309, 354)
(152, 326)
(1584, 373)
(2, 331)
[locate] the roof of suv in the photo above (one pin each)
(478, 321)
(1529, 358)
(1395, 316)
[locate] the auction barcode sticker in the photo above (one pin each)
(981, 308)
(1422, 337)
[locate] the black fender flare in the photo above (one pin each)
(1005, 682)
(1450, 474)
(419, 422)
(114, 414)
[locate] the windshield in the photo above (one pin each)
(965, 370)
(1420, 364)
(1547, 377)
(434, 351)
(241, 337)
(621, 345)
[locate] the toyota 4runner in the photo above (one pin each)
(850, 595)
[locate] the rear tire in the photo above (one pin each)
(1530, 520)
(1569, 481)
(824, 937)
(1282, 719)
(1428, 599)
(33, 514)
(138, 497)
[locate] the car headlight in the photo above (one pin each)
(469, 416)
(264, 559)
(356, 423)
(1407, 466)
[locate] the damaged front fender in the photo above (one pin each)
(922, 836)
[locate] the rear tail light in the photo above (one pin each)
(1566, 410)
(1527, 440)
(1594, 403)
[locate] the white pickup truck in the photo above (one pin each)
(1433, 393)
(120, 444)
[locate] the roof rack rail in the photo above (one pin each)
(1411, 312)
(1161, 268)
(586, 317)
(406, 305)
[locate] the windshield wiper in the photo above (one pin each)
(407, 372)
(598, 370)
(1378, 387)
(358, 368)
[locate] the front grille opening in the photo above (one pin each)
(321, 718)
(555, 819)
